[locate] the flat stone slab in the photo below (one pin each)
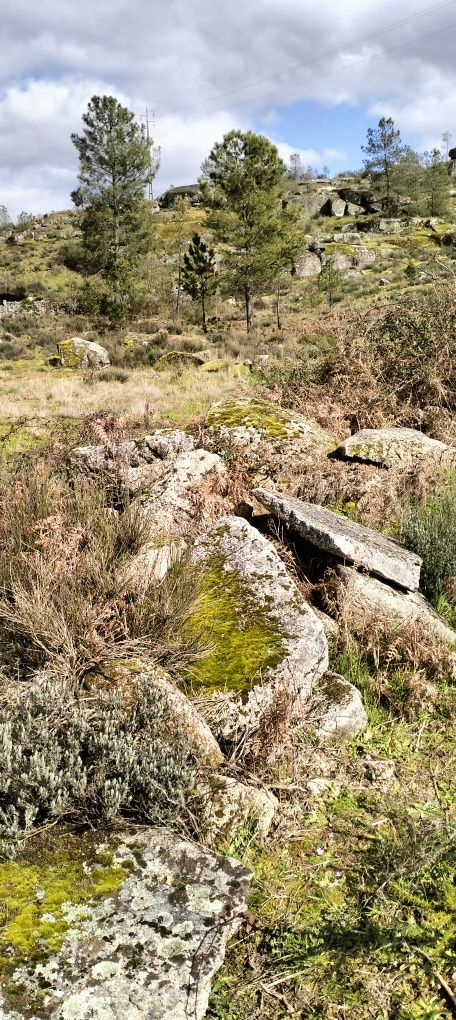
(150, 952)
(345, 539)
(364, 601)
(395, 447)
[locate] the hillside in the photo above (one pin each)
(228, 624)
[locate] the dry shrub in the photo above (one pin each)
(393, 364)
(62, 604)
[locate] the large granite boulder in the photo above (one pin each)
(147, 953)
(308, 264)
(170, 504)
(79, 353)
(133, 463)
(395, 447)
(345, 539)
(365, 601)
(266, 646)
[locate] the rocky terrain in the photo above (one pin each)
(228, 628)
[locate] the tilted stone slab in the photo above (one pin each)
(364, 601)
(150, 952)
(264, 584)
(345, 539)
(395, 448)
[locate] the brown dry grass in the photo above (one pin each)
(145, 395)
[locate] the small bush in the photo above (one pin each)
(88, 759)
(113, 374)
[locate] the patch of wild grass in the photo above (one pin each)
(62, 603)
(429, 528)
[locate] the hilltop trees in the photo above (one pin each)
(198, 274)
(241, 183)
(114, 165)
(383, 151)
(436, 183)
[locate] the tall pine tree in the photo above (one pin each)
(243, 177)
(115, 164)
(383, 151)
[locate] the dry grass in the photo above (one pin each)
(146, 395)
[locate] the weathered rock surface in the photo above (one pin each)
(276, 442)
(395, 447)
(168, 504)
(308, 264)
(336, 710)
(79, 353)
(167, 469)
(134, 463)
(150, 952)
(364, 601)
(228, 805)
(345, 539)
(276, 692)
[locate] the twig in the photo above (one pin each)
(448, 992)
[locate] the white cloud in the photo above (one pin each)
(56, 54)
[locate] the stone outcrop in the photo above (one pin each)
(150, 952)
(308, 264)
(255, 698)
(167, 470)
(275, 442)
(345, 539)
(395, 447)
(79, 353)
(365, 601)
(228, 805)
(336, 709)
(169, 504)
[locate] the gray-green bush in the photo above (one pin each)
(430, 530)
(88, 757)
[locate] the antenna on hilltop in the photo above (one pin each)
(147, 120)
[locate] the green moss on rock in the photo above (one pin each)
(242, 639)
(43, 894)
(272, 421)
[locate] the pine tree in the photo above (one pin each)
(243, 179)
(330, 281)
(436, 183)
(383, 151)
(199, 274)
(115, 163)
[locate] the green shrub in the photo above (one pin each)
(430, 530)
(113, 374)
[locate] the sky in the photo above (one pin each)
(312, 76)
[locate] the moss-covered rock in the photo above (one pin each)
(79, 353)
(157, 934)
(265, 645)
(276, 442)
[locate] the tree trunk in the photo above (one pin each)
(278, 296)
(203, 309)
(248, 307)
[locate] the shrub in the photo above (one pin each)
(430, 530)
(63, 604)
(88, 759)
(113, 374)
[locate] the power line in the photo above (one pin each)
(322, 56)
